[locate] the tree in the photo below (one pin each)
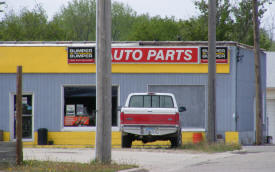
(154, 29)
(77, 20)
(33, 24)
(140, 28)
(233, 21)
(123, 18)
(10, 29)
(270, 28)
(243, 26)
(256, 36)
(55, 31)
(28, 25)
(224, 19)
(194, 29)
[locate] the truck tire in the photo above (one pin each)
(126, 141)
(176, 141)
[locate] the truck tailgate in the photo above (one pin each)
(149, 116)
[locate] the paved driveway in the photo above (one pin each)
(159, 160)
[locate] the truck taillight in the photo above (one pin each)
(177, 118)
(121, 117)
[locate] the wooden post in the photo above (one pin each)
(19, 152)
(258, 87)
(211, 71)
(103, 82)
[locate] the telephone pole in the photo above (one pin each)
(257, 74)
(211, 71)
(19, 152)
(103, 81)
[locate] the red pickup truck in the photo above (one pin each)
(149, 117)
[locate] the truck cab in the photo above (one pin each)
(149, 117)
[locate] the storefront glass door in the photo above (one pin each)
(27, 115)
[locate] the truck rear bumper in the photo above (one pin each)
(149, 130)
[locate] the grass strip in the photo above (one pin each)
(49, 166)
(211, 148)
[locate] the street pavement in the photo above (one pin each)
(250, 159)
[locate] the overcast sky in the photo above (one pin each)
(181, 9)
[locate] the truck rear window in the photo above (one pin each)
(151, 101)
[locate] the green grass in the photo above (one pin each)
(211, 148)
(48, 166)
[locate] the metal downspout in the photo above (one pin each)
(234, 84)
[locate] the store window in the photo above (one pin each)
(26, 116)
(80, 106)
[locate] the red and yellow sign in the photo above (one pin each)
(75, 121)
(155, 55)
(54, 59)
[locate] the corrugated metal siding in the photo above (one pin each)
(7, 84)
(46, 89)
(139, 82)
(224, 100)
(192, 97)
(246, 89)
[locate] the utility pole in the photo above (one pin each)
(103, 81)
(19, 152)
(257, 74)
(211, 71)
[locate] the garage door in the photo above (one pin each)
(192, 97)
(271, 118)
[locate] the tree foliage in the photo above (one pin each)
(29, 25)
(76, 21)
(146, 28)
(234, 20)
(123, 18)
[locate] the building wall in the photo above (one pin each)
(234, 85)
(270, 81)
(270, 95)
(190, 96)
(47, 93)
(246, 94)
(245, 90)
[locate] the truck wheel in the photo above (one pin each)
(126, 141)
(176, 141)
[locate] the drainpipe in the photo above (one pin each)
(235, 61)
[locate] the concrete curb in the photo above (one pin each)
(135, 170)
